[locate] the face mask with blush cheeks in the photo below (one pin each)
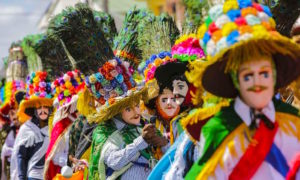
(132, 115)
(256, 83)
(166, 105)
(180, 89)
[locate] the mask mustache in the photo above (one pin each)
(170, 106)
(257, 88)
(136, 116)
(43, 113)
(177, 96)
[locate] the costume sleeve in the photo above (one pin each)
(117, 158)
(23, 158)
(6, 151)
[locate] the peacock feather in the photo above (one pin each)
(80, 32)
(126, 43)
(157, 35)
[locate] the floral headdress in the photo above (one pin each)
(236, 32)
(148, 69)
(187, 48)
(38, 93)
(10, 89)
(65, 90)
(114, 88)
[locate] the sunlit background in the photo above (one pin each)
(19, 18)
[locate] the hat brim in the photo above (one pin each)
(219, 82)
(166, 72)
(108, 112)
(34, 102)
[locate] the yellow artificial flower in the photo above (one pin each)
(230, 5)
(201, 31)
(228, 28)
(92, 79)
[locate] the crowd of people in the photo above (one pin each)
(218, 101)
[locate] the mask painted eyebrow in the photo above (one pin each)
(244, 69)
(265, 67)
(180, 83)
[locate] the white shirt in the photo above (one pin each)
(288, 145)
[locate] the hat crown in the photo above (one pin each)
(232, 22)
(38, 85)
(187, 48)
(112, 80)
(153, 62)
(67, 86)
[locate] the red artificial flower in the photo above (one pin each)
(70, 74)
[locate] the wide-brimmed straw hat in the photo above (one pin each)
(38, 93)
(114, 89)
(236, 32)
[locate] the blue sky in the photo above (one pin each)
(18, 18)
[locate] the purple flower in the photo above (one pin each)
(42, 84)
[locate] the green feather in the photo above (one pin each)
(157, 35)
(195, 13)
(127, 39)
(53, 58)
(33, 60)
(81, 30)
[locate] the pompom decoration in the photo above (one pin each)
(112, 80)
(38, 93)
(114, 88)
(187, 48)
(151, 64)
(39, 85)
(65, 87)
(10, 89)
(238, 19)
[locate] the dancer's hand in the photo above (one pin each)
(148, 132)
(159, 141)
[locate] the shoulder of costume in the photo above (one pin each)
(28, 134)
(214, 132)
(103, 131)
(221, 125)
(226, 119)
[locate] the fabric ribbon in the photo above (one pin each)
(259, 148)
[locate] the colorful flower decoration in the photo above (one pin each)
(38, 85)
(126, 55)
(187, 48)
(65, 87)
(148, 69)
(10, 89)
(232, 22)
(112, 80)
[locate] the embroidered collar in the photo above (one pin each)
(243, 111)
